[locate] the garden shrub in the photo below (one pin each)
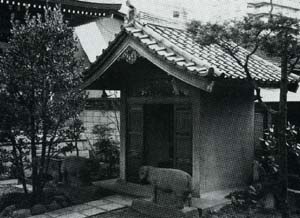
(5, 169)
(269, 157)
(16, 198)
(107, 151)
(268, 161)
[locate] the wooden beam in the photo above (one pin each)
(196, 149)
(123, 124)
(158, 100)
(100, 70)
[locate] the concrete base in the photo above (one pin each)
(169, 199)
(157, 211)
(213, 201)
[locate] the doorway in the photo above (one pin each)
(158, 135)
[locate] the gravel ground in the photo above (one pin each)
(129, 213)
(230, 212)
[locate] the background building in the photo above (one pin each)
(289, 8)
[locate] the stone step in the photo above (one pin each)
(91, 208)
(9, 182)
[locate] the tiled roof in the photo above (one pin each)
(94, 8)
(178, 47)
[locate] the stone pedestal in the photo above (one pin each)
(159, 211)
(169, 199)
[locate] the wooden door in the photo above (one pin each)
(183, 137)
(134, 144)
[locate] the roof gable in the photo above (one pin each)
(177, 47)
(125, 43)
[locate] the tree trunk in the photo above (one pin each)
(19, 164)
(34, 159)
(76, 147)
(282, 121)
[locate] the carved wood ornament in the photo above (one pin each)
(129, 55)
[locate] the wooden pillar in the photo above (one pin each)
(196, 142)
(123, 115)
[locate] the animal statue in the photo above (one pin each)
(75, 171)
(174, 181)
(54, 170)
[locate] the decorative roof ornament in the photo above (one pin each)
(131, 14)
(129, 55)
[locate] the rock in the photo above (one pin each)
(64, 204)
(55, 169)
(8, 211)
(59, 198)
(76, 171)
(22, 213)
(53, 206)
(38, 209)
(269, 201)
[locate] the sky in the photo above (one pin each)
(205, 10)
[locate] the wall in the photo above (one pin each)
(289, 8)
(108, 118)
(224, 132)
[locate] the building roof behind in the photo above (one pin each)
(261, 8)
(179, 48)
(94, 36)
(90, 8)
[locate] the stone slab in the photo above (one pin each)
(29, 187)
(41, 216)
(98, 203)
(157, 211)
(111, 206)
(59, 212)
(92, 211)
(79, 207)
(9, 182)
(120, 199)
(72, 215)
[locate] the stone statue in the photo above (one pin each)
(171, 187)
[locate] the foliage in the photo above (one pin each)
(241, 39)
(269, 158)
(251, 33)
(39, 91)
(16, 198)
(4, 159)
(247, 198)
(107, 151)
(74, 131)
